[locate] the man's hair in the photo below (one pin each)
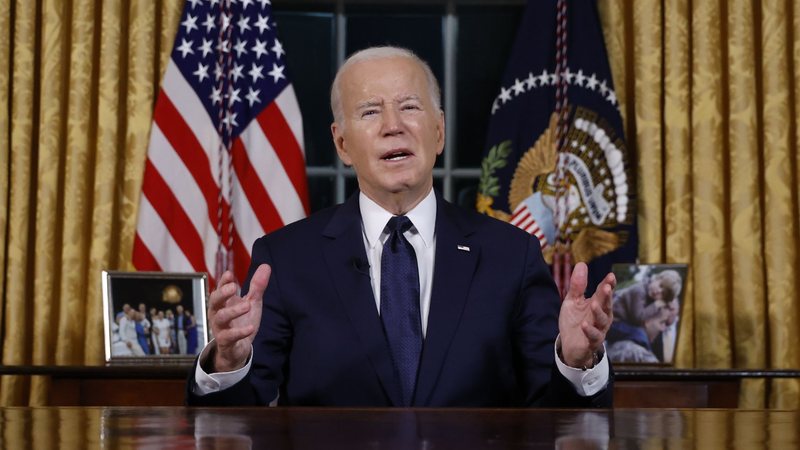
(385, 52)
(670, 284)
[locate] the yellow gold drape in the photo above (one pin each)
(710, 94)
(81, 78)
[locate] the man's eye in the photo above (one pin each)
(410, 107)
(369, 112)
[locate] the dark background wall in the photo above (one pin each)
(465, 42)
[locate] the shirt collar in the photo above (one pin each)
(374, 218)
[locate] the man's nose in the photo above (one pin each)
(392, 122)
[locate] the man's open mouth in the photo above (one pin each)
(396, 156)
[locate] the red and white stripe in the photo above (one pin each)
(177, 227)
(522, 218)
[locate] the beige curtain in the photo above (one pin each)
(711, 91)
(80, 78)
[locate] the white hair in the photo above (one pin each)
(383, 52)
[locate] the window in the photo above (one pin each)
(466, 43)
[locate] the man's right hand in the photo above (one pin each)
(234, 320)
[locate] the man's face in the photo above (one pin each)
(673, 308)
(656, 325)
(391, 131)
(179, 308)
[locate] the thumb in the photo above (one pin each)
(259, 282)
(578, 281)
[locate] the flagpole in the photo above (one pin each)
(562, 269)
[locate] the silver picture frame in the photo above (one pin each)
(154, 317)
(648, 304)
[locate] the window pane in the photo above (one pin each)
(465, 191)
(350, 186)
(420, 32)
(482, 57)
(321, 192)
(311, 69)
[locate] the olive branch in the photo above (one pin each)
(488, 184)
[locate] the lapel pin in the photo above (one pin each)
(463, 248)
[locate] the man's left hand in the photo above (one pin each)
(583, 323)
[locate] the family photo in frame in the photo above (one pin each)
(154, 316)
(647, 306)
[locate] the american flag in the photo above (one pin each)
(225, 163)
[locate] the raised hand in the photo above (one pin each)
(234, 320)
(583, 323)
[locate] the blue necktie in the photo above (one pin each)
(400, 304)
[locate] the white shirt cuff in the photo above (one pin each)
(586, 382)
(205, 383)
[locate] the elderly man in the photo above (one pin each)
(396, 297)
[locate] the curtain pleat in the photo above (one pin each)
(109, 114)
(747, 281)
(17, 339)
(5, 144)
(677, 154)
(710, 268)
(780, 185)
(647, 57)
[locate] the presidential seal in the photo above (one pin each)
(584, 220)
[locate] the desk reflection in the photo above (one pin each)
(313, 428)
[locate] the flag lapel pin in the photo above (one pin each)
(463, 248)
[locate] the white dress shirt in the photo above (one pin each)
(422, 237)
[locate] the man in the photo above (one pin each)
(480, 330)
(664, 344)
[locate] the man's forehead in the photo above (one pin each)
(384, 67)
(377, 101)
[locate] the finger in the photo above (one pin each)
(227, 277)
(593, 335)
(230, 336)
(259, 282)
(611, 279)
(577, 282)
(225, 316)
(220, 296)
(602, 320)
(605, 292)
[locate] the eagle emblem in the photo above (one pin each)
(596, 198)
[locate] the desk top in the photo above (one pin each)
(180, 370)
(313, 428)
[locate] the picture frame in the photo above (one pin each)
(154, 317)
(647, 306)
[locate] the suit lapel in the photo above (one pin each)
(344, 253)
(455, 261)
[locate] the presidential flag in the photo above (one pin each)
(556, 164)
(225, 163)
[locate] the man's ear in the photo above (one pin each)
(338, 142)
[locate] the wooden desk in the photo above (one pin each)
(164, 385)
(315, 428)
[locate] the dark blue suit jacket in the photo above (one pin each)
(491, 328)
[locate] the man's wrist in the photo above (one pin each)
(585, 364)
(595, 360)
(215, 365)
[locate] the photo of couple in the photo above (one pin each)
(647, 306)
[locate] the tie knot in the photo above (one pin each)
(400, 224)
